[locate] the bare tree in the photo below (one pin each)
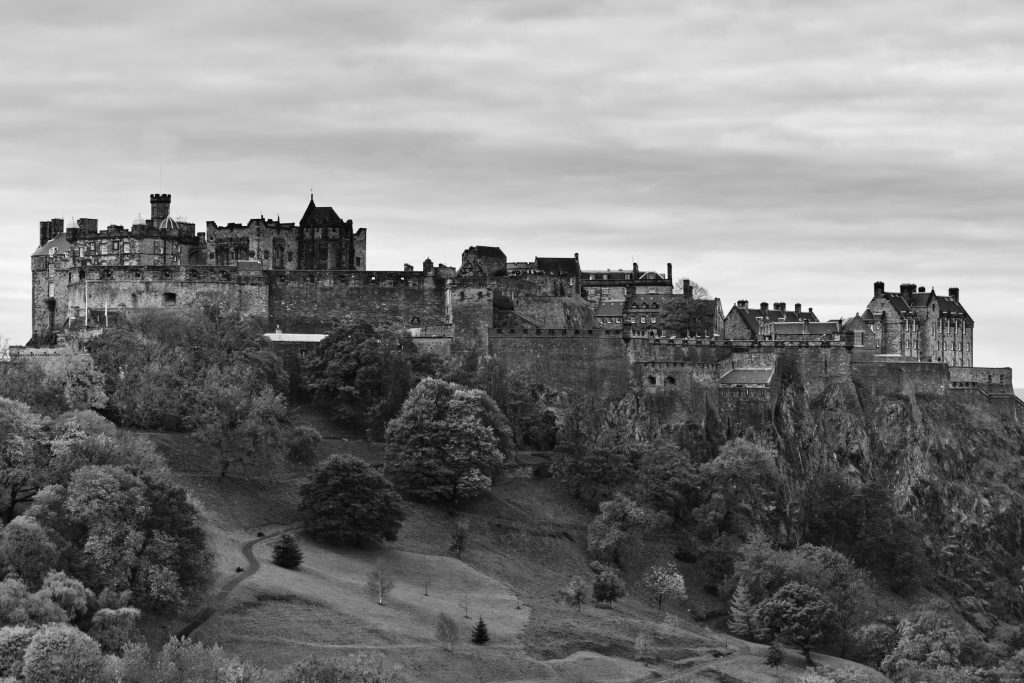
(447, 630)
(380, 581)
(574, 593)
(460, 539)
(427, 579)
(464, 602)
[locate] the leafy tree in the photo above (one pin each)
(664, 584)
(592, 474)
(446, 629)
(362, 373)
(574, 593)
(26, 550)
(799, 614)
(380, 581)
(522, 404)
(699, 291)
(14, 641)
(742, 484)
(479, 635)
(287, 552)
(347, 501)
(876, 640)
(59, 653)
(19, 607)
(447, 443)
(128, 532)
(608, 587)
(113, 629)
(668, 480)
(926, 641)
(68, 593)
(741, 612)
(84, 438)
(22, 456)
(775, 655)
(614, 527)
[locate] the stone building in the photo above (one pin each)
(921, 324)
(744, 322)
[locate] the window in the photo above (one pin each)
(643, 319)
(170, 299)
(652, 380)
(654, 320)
(50, 290)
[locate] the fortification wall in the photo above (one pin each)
(992, 380)
(584, 361)
(893, 378)
(314, 301)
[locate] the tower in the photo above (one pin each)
(160, 205)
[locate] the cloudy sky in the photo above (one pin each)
(775, 150)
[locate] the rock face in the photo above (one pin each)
(950, 460)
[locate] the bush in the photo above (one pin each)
(347, 501)
(13, 642)
(59, 653)
(287, 552)
(362, 667)
(608, 587)
(302, 443)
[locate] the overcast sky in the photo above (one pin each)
(782, 150)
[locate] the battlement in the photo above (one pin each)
(358, 278)
(551, 332)
(101, 273)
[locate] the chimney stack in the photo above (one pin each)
(742, 304)
(907, 289)
(687, 290)
(764, 307)
(670, 273)
(797, 309)
(636, 272)
(879, 288)
(954, 294)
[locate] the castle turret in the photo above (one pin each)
(160, 207)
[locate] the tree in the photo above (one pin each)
(620, 518)
(642, 650)
(287, 552)
(799, 614)
(446, 629)
(926, 641)
(22, 456)
(608, 587)
(113, 629)
(13, 642)
(664, 584)
(775, 655)
(742, 489)
(362, 373)
(448, 442)
(591, 474)
(347, 501)
(19, 607)
(667, 480)
(380, 581)
(699, 292)
(68, 593)
(479, 635)
(574, 593)
(26, 550)
(741, 612)
(59, 653)
(460, 539)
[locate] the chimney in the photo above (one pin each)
(428, 265)
(879, 288)
(920, 290)
(160, 206)
(576, 256)
(687, 290)
(406, 268)
(764, 307)
(669, 269)
(954, 293)
(907, 290)
(797, 309)
(742, 304)
(636, 272)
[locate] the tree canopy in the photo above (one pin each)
(347, 501)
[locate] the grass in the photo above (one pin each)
(526, 540)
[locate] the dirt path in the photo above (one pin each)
(232, 584)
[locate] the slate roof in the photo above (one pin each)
(651, 301)
(558, 266)
(59, 243)
(812, 329)
(610, 309)
(948, 306)
(319, 215)
(486, 252)
(749, 317)
(762, 376)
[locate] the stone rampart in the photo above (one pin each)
(895, 378)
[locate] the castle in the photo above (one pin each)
(602, 332)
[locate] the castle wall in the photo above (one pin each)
(992, 380)
(314, 301)
(892, 378)
(584, 361)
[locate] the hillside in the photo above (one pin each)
(526, 540)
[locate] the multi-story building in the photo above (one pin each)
(744, 322)
(921, 324)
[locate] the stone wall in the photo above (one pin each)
(314, 301)
(894, 378)
(992, 380)
(584, 361)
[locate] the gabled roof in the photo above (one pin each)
(558, 266)
(651, 301)
(485, 252)
(59, 245)
(762, 376)
(319, 215)
(750, 316)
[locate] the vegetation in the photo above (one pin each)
(347, 501)
(608, 587)
(380, 581)
(574, 593)
(799, 614)
(447, 630)
(287, 552)
(447, 443)
(664, 584)
(479, 636)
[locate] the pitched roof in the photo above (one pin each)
(486, 252)
(750, 316)
(319, 215)
(610, 309)
(58, 244)
(558, 266)
(748, 376)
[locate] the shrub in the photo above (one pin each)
(13, 642)
(302, 443)
(608, 587)
(287, 552)
(363, 667)
(59, 653)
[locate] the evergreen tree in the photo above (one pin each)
(287, 552)
(479, 635)
(741, 612)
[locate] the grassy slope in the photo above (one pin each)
(526, 541)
